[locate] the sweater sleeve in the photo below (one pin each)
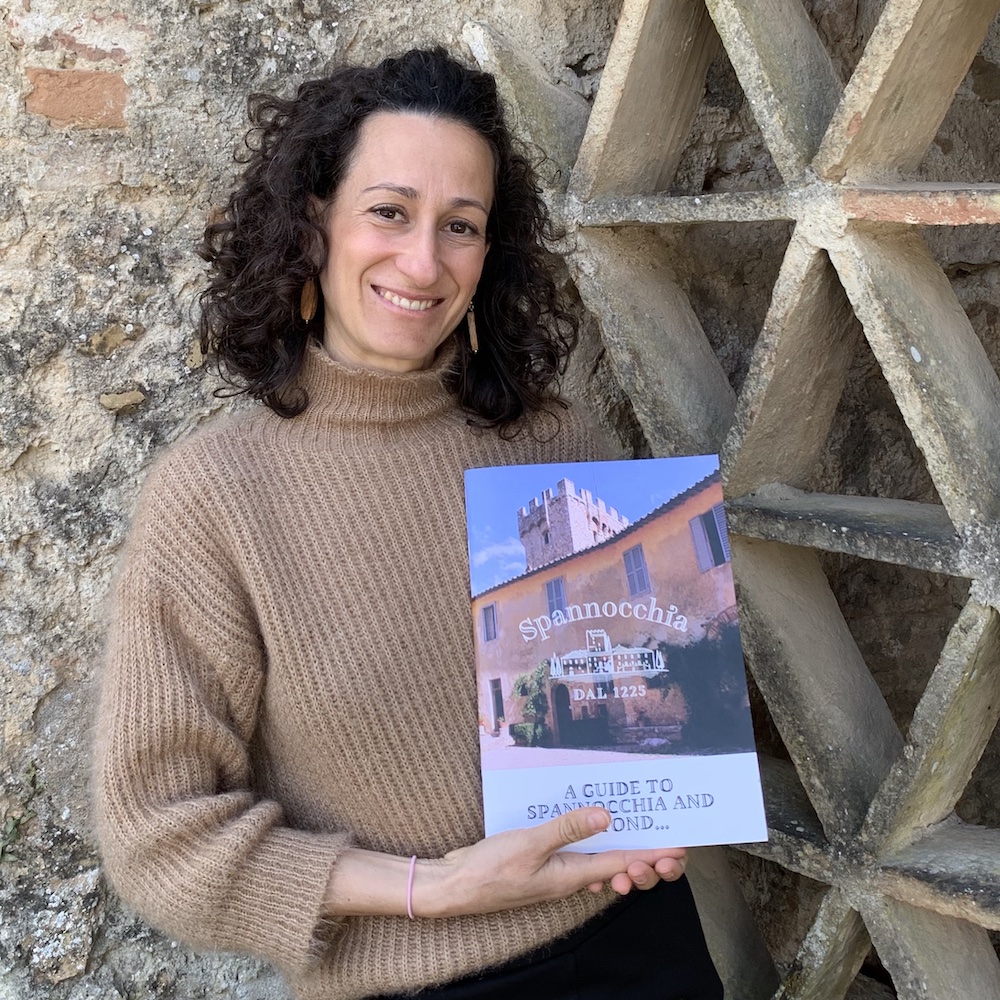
(183, 837)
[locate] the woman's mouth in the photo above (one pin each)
(413, 305)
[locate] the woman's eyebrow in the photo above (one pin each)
(400, 189)
(407, 192)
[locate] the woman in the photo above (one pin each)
(287, 754)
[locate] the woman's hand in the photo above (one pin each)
(501, 872)
(519, 867)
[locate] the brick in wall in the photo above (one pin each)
(78, 98)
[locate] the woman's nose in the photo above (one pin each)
(420, 258)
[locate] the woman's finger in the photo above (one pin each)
(670, 868)
(643, 876)
(621, 883)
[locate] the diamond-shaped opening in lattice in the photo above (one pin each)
(980, 802)
(871, 983)
(728, 287)
(591, 376)
(783, 903)
(900, 618)
(971, 260)
(870, 450)
(965, 146)
(766, 733)
(725, 149)
(844, 30)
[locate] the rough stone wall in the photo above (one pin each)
(118, 126)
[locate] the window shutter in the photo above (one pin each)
(702, 548)
(719, 513)
(635, 571)
(555, 595)
(490, 622)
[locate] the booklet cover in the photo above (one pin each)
(608, 658)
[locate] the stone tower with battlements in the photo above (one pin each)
(565, 522)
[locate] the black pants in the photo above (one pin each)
(647, 946)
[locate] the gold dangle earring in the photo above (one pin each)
(308, 300)
(470, 319)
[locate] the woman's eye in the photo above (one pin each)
(460, 228)
(387, 212)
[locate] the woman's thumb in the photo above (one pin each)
(573, 826)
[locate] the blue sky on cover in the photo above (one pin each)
(493, 497)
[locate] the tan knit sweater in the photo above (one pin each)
(290, 671)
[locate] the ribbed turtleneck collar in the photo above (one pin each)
(347, 396)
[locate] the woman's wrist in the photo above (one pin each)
(369, 883)
(435, 893)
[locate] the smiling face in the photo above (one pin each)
(407, 238)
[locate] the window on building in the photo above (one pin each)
(711, 540)
(490, 622)
(635, 571)
(555, 594)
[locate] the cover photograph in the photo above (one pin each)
(608, 661)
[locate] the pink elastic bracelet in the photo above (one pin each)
(409, 888)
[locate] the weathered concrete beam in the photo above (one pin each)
(662, 209)
(912, 204)
(554, 118)
(796, 377)
(904, 84)
(930, 956)
(650, 92)
(661, 356)
(735, 943)
(831, 954)
(788, 809)
(945, 385)
(925, 204)
(832, 717)
(893, 531)
(950, 729)
(795, 835)
(952, 870)
(795, 855)
(785, 72)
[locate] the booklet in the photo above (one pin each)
(608, 659)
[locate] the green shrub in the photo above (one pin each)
(521, 733)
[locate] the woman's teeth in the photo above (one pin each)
(416, 305)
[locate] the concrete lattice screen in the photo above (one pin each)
(858, 807)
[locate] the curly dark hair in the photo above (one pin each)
(261, 247)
